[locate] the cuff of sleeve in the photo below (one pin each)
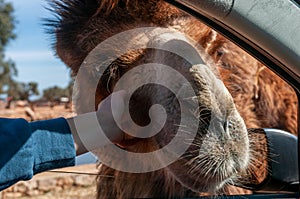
(53, 145)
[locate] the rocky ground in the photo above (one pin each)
(69, 183)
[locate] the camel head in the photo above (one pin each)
(171, 86)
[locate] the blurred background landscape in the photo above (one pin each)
(29, 69)
(36, 85)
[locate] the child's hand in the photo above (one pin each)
(90, 130)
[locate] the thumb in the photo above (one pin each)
(108, 115)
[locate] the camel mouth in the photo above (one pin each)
(212, 161)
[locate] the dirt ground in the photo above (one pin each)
(60, 184)
(40, 112)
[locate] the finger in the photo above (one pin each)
(105, 106)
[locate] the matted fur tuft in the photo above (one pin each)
(108, 5)
(79, 25)
(70, 17)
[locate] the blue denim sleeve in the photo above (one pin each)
(30, 148)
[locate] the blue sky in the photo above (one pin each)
(32, 51)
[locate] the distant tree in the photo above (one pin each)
(23, 91)
(29, 90)
(7, 72)
(55, 93)
(7, 22)
(7, 25)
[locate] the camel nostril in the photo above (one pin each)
(225, 126)
(226, 129)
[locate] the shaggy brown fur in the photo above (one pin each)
(262, 99)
